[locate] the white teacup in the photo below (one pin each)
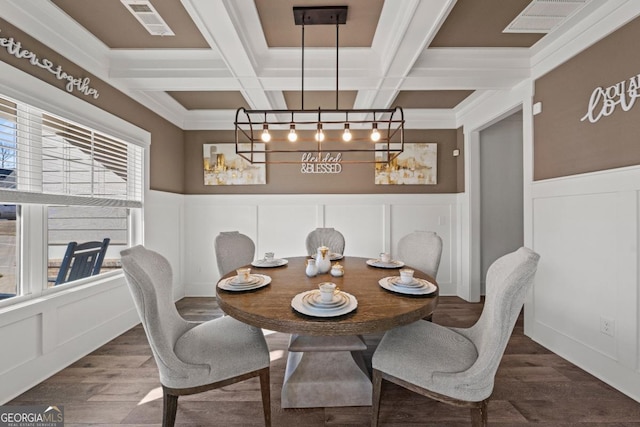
(269, 256)
(406, 276)
(327, 290)
(243, 275)
(385, 257)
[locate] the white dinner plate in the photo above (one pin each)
(253, 279)
(391, 264)
(277, 262)
(313, 299)
(300, 306)
(256, 281)
(397, 281)
(333, 256)
(426, 288)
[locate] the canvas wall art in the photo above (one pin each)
(222, 166)
(417, 165)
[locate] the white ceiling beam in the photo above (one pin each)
(209, 120)
(606, 18)
(163, 104)
(225, 24)
(477, 58)
(45, 22)
(429, 118)
(402, 35)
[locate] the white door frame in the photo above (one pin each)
(487, 112)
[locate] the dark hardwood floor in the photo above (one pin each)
(118, 385)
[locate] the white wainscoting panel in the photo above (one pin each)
(46, 334)
(80, 315)
(438, 217)
(362, 226)
(586, 230)
(163, 224)
(280, 223)
(204, 220)
(14, 355)
(577, 281)
(278, 233)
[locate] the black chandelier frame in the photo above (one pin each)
(254, 143)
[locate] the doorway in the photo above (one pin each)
(501, 191)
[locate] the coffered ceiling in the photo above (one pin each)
(432, 57)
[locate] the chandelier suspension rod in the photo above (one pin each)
(302, 95)
(337, 58)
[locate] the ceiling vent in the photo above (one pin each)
(147, 15)
(543, 16)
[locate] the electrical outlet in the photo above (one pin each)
(607, 326)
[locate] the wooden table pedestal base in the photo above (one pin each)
(326, 371)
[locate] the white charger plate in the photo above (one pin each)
(259, 281)
(277, 262)
(426, 289)
(391, 264)
(300, 306)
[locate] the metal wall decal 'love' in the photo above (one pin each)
(321, 163)
(603, 101)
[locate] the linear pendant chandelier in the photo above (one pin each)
(294, 136)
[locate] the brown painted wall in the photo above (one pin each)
(354, 178)
(167, 162)
(564, 145)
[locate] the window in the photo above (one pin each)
(85, 184)
(9, 226)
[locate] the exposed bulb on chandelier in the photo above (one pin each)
(292, 136)
(319, 133)
(346, 135)
(375, 135)
(266, 136)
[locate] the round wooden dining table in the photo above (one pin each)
(324, 364)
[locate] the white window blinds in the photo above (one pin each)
(50, 160)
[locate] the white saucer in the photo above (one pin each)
(391, 264)
(299, 305)
(332, 256)
(263, 263)
(426, 287)
(229, 284)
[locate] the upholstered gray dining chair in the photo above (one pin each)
(422, 250)
(191, 357)
(458, 365)
(233, 250)
(329, 237)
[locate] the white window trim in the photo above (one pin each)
(26, 88)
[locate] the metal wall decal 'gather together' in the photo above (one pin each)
(81, 84)
(356, 135)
